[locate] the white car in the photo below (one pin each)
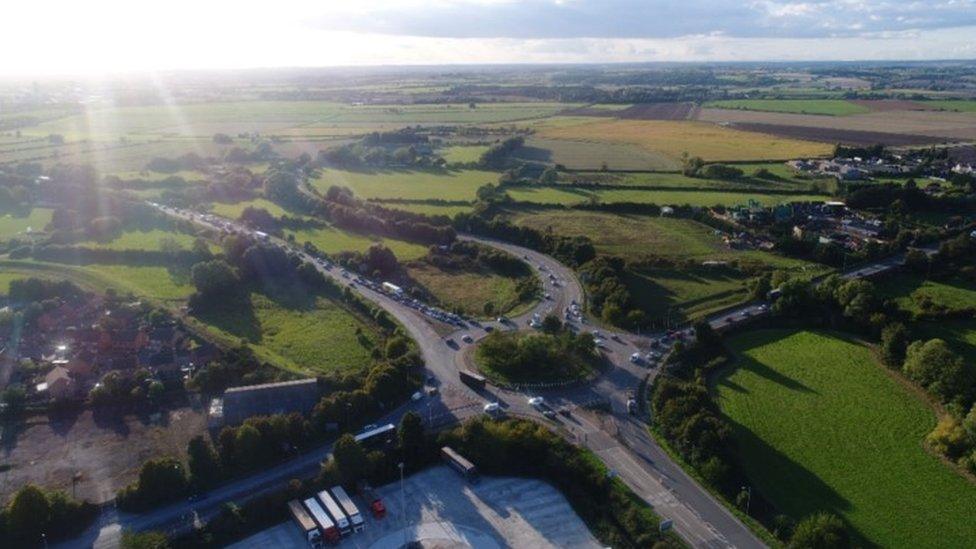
(492, 408)
(417, 396)
(537, 402)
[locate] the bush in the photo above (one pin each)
(820, 531)
(32, 512)
(160, 480)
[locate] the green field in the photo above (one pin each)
(568, 196)
(683, 295)
(332, 240)
(909, 290)
(468, 291)
(411, 185)
(233, 211)
(309, 336)
(786, 179)
(428, 209)
(952, 105)
(821, 426)
(11, 226)
(463, 153)
(830, 107)
(156, 283)
(142, 240)
(592, 155)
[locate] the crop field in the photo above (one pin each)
(589, 155)
(709, 141)
(332, 240)
(468, 291)
(309, 336)
(36, 220)
(567, 196)
(822, 426)
(408, 184)
(829, 107)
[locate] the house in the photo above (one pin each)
(240, 403)
(59, 385)
(131, 340)
(80, 366)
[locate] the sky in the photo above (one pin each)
(108, 36)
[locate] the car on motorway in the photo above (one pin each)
(537, 402)
(492, 408)
(549, 414)
(467, 339)
(417, 396)
(489, 328)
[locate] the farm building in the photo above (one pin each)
(240, 403)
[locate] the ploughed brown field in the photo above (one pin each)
(945, 124)
(832, 135)
(885, 105)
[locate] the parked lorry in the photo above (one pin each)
(460, 464)
(305, 522)
(325, 522)
(336, 512)
(344, 501)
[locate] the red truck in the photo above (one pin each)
(373, 499)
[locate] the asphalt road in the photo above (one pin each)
(619, 439)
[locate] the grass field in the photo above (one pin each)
(785, 180)
(428, 209)
(952, 105)
(310, 336)
(684, 295)
(11, 226)
(821, 425)
(709, 141)
(908, 290)
(332, 240)
(413, 185)
(830, 107)
(468, 291)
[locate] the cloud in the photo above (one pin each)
(647, 18)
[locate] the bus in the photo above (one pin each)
(473, 380)
(340, 495)
(460, 464)
(304, 522)
(335, 512)
(383, 435)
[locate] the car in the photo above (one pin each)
(492, 408)
(745, 313)
(549, 414)
(489, 328)
(564, 410)
(616, 338)
(467, 339)
(597, 333)
(502, 320)
(417, 396)
(369, 427)
(635, 358)
(597, 341)
(431, 391)
(536, 402)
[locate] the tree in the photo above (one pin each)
(350, 459)
(249, 447)
(202, 461)
(894, 342)
(820, 531)
(160, 479)
(223, 139)
(705, 335)
(551, 324)
(412, 441)
(29, 514)
(214, 278)
(935, 366)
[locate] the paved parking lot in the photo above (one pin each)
(442, 510)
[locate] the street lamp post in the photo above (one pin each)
(403, 509)
(748, 490)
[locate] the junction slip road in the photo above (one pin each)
(620, 439)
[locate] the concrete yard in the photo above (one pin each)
(444, 511)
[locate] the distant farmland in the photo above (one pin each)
(829, 107)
